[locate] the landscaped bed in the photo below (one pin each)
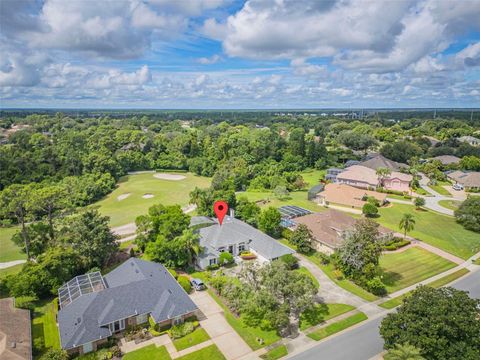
(433, 228)
(337, 326)
(411, 266)
(150, 352)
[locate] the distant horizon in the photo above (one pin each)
(245, 109)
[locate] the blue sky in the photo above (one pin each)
(239, 54)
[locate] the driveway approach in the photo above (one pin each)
(364, 342)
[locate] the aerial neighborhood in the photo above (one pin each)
(239, 180)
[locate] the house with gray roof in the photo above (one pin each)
(380, 161)
(94, 307)
(234, 236)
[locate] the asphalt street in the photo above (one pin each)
(364, 341)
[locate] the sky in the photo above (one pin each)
(255, 54)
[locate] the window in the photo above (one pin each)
(117, 326)
(222, 249)
(178, 320)
(142, 318)
(213, 261)
(241, 247)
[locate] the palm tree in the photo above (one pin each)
(191, 245)
(382, 173)
(404, 352)
(407, 223)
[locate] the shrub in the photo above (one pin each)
(290, 260)
(55, 354)
(213, 267)
(376, 287)
(248, 256)
(419, 202)
(26, 302)
(178, 331)
(287, 233)
(373, 201)
(132, 252)
(173, 272)
(324, 258)
(225, 258)
(369, 210)
(185, 283)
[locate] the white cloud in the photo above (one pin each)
(209, 60)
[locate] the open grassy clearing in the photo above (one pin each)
(435, 229)
(166, 192)
(150, 352)
(338, 326)
(411, 266)
(298, 198)
(198, 336)
(396, 301)
(10, 271)
(248, 333)
(450, 204)
(44, 326)
(8, 250)
(312, 177)
(207, 353)
(321, 313)
(276, 353)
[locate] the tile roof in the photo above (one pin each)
(15, 329)
(447, 159)
(369, 176)
(234, 231)
(136, 287)
(467, 179)
(348, 195)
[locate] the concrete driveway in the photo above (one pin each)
(222, 334)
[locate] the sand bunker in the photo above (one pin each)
(123, 196)
(147, 196)
(165, 176)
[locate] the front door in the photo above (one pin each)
(230, 249)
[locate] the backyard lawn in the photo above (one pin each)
(44, 328)
(323, 312)
(450, 204)
(312, 177)
(207, 353)
(9, 251)
(248, 333)
(150, 352)
(198, 336)
(433, 228)
(166, 192)
(338, 326)
(411, 266)
(298, 198)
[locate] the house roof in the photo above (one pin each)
(369, 176)
(468, 179)
(14, 329)
(234, 231)
(447, 159)
(348, 195)
(136, 287)
(327, 227)
(380, 161)
(469, 138)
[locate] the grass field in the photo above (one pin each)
(44, 327)
(10, 270)
(435, 229)
(276, 353)
(323, 312)
(198, 336)
(440, 189)
(207, 353)
(411, 266)
(150, 352)
(450, 204)
(338, 326)
(248, 333)
(396, 301)
(312, 177)
(298, 198)
(9, 251)
(166, 192)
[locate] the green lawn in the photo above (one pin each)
(150, 352)
(198, 336)
(248, 333)
(305, 271)
(450, 204)
(298, 198)
(477, 262)
(435, 229)
(9, 251)
(397, 197)
(396, 301)
(207, 353)
(166, 192)
(422, 191)
(10, 270)
(440, 189)
(411, 266)
(338, 326)
(44, 328)
(312, 177)
(323, 312)
(276, 353)
(336, 276)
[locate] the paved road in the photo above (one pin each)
(364, 341)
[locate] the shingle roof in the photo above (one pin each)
(447, 159)
(348, 195)
(136, 287)
(15, 328)
(380, 161)
(468, 179)
(368, 175)
(234, 231)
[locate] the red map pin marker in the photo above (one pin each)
(220, 208)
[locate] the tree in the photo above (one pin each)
(281, 192)
(225, 258)
(247, 211)
(382, 174)
(302, 239)
(470, 163)
(407, 223)
(401, 151)
(361, 249)
(38, 236)
(468, 214)
(419, 202)
(296, 142)
(369, 210)
(89, 234)
(442, 323)
(55, 354)
(403, 352)
(269, 221)
(14, 202)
